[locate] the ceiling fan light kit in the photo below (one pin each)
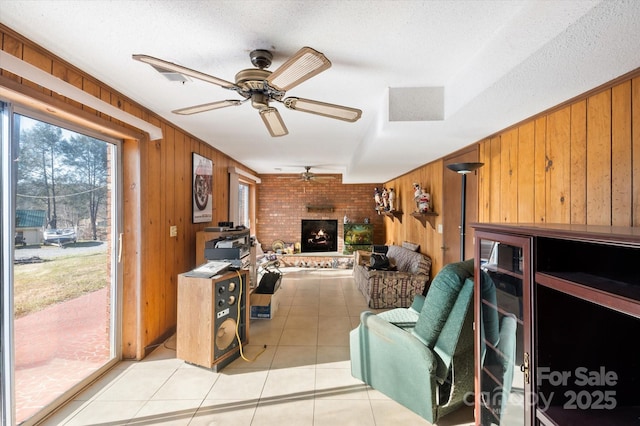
(261, 87)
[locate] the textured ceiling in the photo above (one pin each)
(477, 66)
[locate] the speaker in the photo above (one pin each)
(210, 310)
(230, 313)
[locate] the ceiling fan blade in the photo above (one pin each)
(306, 63)
(273, 121)
(170, 66)
(206, 107)
(322, 108)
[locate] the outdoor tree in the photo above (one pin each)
(64, 173)
(38, 167)
(85, 159)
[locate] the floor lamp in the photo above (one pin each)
(464, 169)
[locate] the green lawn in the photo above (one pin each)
(38, 285)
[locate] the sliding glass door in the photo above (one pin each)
(61, 285)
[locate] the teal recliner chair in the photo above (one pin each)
(422, 356)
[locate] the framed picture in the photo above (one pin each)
(202, 185)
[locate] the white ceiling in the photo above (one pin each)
(498, 61)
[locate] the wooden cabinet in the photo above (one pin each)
(210, 313)
(566, 308)
(357, 236)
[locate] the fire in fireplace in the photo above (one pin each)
(319, 235)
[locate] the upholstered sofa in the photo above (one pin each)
(394, 288)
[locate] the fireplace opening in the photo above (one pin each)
(319, 235)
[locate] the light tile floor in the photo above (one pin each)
(303, 377)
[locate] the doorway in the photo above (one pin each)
(60, 285)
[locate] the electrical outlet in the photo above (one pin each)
(173, 231)
(439, 228)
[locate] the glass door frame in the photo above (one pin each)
(7, 243)
(7, 185)
(526, 244)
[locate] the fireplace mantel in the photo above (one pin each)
(319, 208)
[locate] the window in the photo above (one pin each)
(244, 217)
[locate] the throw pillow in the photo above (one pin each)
(410, 246)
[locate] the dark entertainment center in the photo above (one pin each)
(572, 293)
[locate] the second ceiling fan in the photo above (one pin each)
(261, 87)
(307, 176)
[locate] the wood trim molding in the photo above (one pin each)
(50, 82)
(32, 98)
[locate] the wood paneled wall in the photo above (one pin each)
(156, 195)
(578, 163)
(405, 227)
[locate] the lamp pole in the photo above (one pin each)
(464, 169)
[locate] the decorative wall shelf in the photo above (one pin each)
(319, 209)
(394, 214)
(426, 217)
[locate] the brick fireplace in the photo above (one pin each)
(283, 203)
(318, 235)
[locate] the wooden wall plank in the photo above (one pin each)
(540, 170)
(494, 195)
(67, 75)
(14, 47)
(131, 272)
(599, 158)
(578, 162)
(509, 176)
(558, 184)
(179, 261)
(434, 239)
(168, 219)
(484, 174)
(38, 60)
(152, 255)
(621, 155)
(92, 88)
(526, 173)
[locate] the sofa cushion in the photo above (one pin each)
(440, 299)
(409, 261)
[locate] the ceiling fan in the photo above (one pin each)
(262, 87)
(308, 176)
